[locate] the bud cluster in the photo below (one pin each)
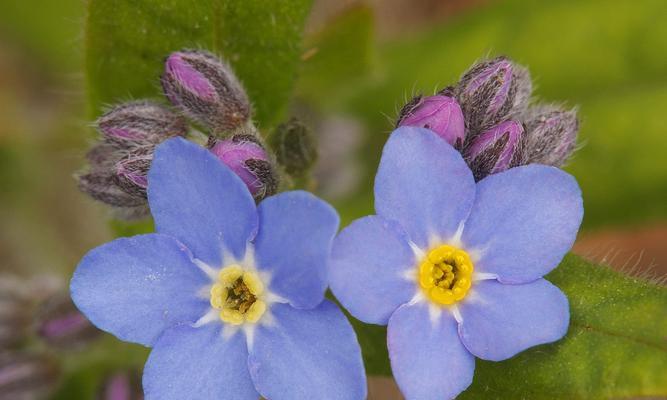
(202, 88)
(487, 117)
(119, 162)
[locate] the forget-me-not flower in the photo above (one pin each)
(455, 267)
(229, 295)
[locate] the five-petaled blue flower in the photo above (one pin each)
(455, 267)
(229, 295)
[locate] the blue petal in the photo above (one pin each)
(307, 354)
(424, 184)
(369, 261)
(198, 364)
(428, 360)
(294, 244)
(524, 220)
(500, 320)
(199, 201)
(137, 287)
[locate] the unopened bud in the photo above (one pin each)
(244, 155)
(102, 186)
(551, 135)
(441, 114)
(27, 376)
(491, 91)
(119, 163)
(132, 174)
(205, 89)
(60, 324)
(295, 147)
(140, 123)
(124, 385)
(494, 150)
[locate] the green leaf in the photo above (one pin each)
(262, 40)
(338, 57)
(127, 41)
(616, 346)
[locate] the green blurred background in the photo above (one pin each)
(361, 62)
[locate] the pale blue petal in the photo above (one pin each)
(423, 184)
(199, 201)
(307, 354)
(500, 320)
(428, 360)
(294, 245)
(369, 262)
(198, 364)
(137, 287)
(523, 222)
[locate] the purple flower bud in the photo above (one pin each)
(244, 155)
(205, 89)
(120, 161)
(124, 385)
(60, 324)
(551, 135)
(441, 114)
(140, 123)
(27, 376)
(491, 91)
(494, 150)
(132, 174)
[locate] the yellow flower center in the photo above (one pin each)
(237, 295)
(445, 274)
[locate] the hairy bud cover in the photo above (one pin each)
(119, 162)
(441, 114)
(495, 150)
(551, 135)
(245, 155)
(206, 90)
(492, 91)
(140, 123)
(295, 147)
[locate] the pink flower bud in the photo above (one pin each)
(441, 114)
(492, 91)
(244, 155)
(140, 123)
(205, 89)
(551, 135)
(494, 150)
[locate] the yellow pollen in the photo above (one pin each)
(445, 274)
(237, 295)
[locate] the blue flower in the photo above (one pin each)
(229, 295)
(453, 267)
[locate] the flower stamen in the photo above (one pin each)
(445, 274)
(237, 295)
